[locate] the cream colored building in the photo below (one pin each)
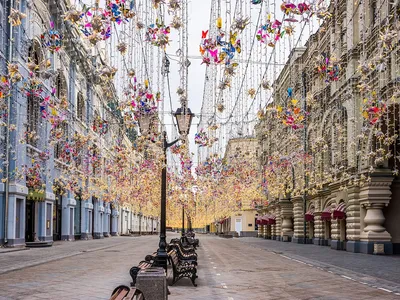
(243, 222)
(353, 187)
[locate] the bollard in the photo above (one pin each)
(152, 282)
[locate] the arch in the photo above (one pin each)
(328, 202)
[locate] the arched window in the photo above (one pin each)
(80, 107)
(33, 107)
(61, 94)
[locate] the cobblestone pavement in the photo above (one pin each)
(229, 269)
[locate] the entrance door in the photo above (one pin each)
(111, 222)
(57, 214)
(78, 219)
(238, 225)
(30, 221)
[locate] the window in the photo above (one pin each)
(32, 128)
(61, 86)
(58, 148)
(80, 107)
(33, 107)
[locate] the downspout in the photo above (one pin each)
(7, 188)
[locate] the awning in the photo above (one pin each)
(327, 214)
(259, 221)
(271, 220)
(338, 212)
(264, 220)
(310, 215)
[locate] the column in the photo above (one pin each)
(68, 218)
(278, 226)
(286, 215)
(298, 234)
(115, 222)
(106, 220)
(318, 228)
(260, 232)
(373, 198)
(353, 220)
(335, 235)
(264, 232)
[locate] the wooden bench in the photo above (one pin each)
(181, 269)
(134, 271)
(123, 292)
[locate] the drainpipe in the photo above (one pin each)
(7, 188)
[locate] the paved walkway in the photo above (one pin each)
(365, 267)
(229, 269)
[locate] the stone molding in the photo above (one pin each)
(88, 205)
(18, 190)
(71, 202)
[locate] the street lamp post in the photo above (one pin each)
(183, 219)
(184, 119)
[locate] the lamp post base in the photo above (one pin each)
(162, 259)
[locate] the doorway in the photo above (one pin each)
(57, 215)
(238, 225)
(78, 219)
(111, 222)
(30, 221)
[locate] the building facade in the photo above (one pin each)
(55, 213)
(331, 168)
(243, 222)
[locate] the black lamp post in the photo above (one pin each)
(183, 219)
(184, 119)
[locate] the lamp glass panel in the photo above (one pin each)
(183, 122)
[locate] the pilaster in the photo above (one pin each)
(298, 234)
(286, 215)
(353, 220)
(319, 228)
(373, 198)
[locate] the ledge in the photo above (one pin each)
(18, 189)
(50, 196)
(71, 202)
(88, 205)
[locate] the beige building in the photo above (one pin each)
(343, 161)
(243, 222)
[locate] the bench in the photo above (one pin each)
(123, 292)
(188, 256)
(185, 248)
(181, 268)
(134, 271)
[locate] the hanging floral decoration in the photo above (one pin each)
(33, 175)
(201, 138)
(100, 126)
(13, 72)
(52, 39)
(223, 48)
(328, 68)
(158, 34)
(15, 17)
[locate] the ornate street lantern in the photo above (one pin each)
(184, 119)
